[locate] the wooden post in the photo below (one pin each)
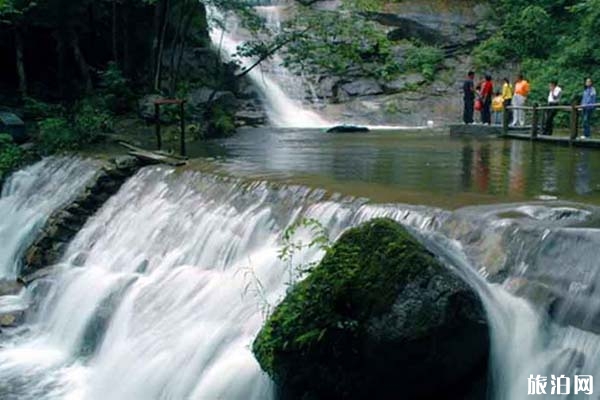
(574, 122)
(505, 121)
(182, 137)
(534, 121)
(157, 121)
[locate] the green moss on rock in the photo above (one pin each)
(323, 340)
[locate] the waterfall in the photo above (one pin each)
(163, 291)
(29, 196)
(276, 87)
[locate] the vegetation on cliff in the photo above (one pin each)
(376, 299)
(549, 39)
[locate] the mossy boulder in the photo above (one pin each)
(381, 318)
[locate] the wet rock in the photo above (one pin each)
(39, 274)
(64, 224)
(362, 87)
(12, 318)
(146, 107)
(198, 98)
(251, 118)
(10, 287)
(404, 82)
(379, 317)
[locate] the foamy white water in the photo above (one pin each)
(29, 196)
(165, 289)
(282, 110)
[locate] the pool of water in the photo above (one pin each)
(412, 166)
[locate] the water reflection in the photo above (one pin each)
(582, 172)
(424, 167)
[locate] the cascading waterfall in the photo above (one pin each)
(29, 197)
(282, 110)
(164, 290)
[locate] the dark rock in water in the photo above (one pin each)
(347, 129)
(379, 318)
(12, 318)
(10, 288)
(64, 223)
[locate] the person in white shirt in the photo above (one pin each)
(553, 100)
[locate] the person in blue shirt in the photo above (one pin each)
(587, 101)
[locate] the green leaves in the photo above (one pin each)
(11, 155)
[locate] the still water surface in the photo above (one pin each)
(412, 166)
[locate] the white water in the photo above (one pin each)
(283, 111)
(29, 197)
(283, 92)
(164, 290)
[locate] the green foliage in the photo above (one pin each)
(323, 319)
(90, 120)
(493, 52)
(319, 239)
(115, 89)
(552, 40)
(11, 155)
(529, 33)
(56, 135)
(221, 122)
(36, 109)
(424, 59)
(338, 42)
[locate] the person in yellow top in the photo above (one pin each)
(507, 95)
(498, 107)
(519, 98)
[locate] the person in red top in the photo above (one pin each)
(487, 92)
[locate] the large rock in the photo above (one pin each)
(379, 318)
(362, 87)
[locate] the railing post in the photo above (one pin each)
(574, 121)
(505, 121)
(157, 121)
(535, 120)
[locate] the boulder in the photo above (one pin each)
(404, 82)
(250, 117)
(12, 318)
(10, 287)
(146, 106)
(379, 318)
(362, 87)
(198, 98)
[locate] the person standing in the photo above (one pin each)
(507, 95)
(520, 97)
(487, 92)
(587, 101)
(553, 100)
(498, 108)
(469, 98)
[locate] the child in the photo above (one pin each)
(478, 101)
(498, 108)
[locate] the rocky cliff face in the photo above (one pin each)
(455, 27)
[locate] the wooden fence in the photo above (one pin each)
(537, 112)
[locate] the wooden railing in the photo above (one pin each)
(536, 110)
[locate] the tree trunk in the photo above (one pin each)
(161, 45)
(19, 45)
(126, 58)
(60, 62)
(84, 69)
(183, 41)
(115, 53)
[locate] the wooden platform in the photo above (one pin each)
(154, 157)
(483, 130)
(560, 140)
